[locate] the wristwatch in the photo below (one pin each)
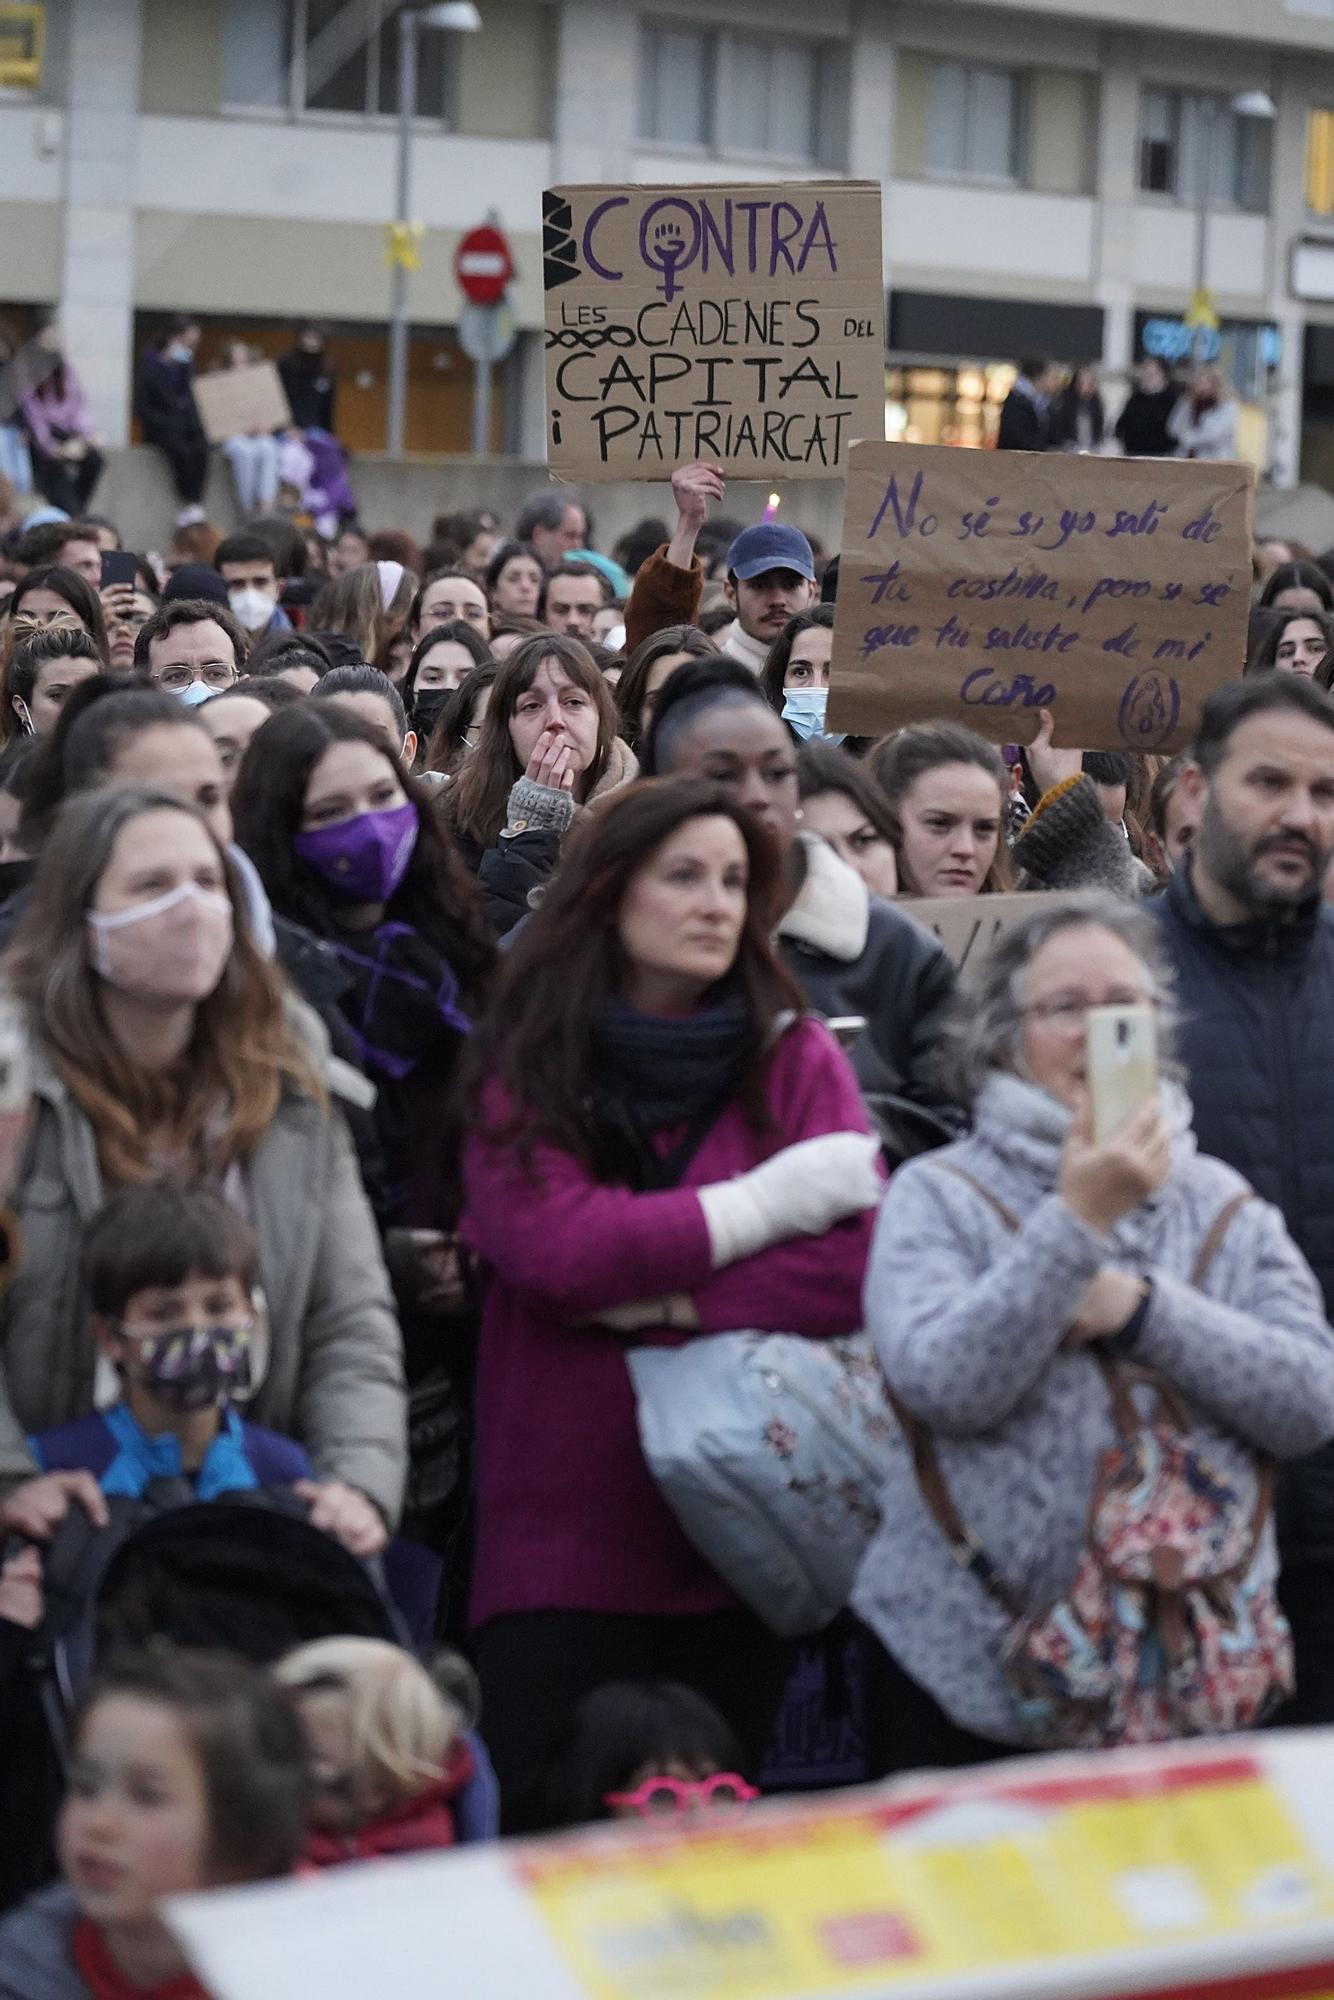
(1126, 1337)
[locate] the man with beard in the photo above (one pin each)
(1252, 946)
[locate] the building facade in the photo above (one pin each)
(1056, 177)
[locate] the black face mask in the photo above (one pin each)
(427, 709)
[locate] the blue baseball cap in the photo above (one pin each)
(770, 546)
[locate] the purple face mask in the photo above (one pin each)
(363, 859)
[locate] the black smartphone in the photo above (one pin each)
(119, 566)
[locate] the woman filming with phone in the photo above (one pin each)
(1097, 1340)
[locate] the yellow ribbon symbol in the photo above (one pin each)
(403, 244)
(1201, 312)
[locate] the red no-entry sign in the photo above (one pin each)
(483, 265)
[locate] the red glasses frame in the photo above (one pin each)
(684, 1792)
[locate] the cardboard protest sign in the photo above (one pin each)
(981, 587)
(744, 325)
(968, 926)
(232, 402)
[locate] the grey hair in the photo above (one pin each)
(545, 509)
(985, 1025)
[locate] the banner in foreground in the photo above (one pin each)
(1183, 1871)
(744, 325)
(981, 587)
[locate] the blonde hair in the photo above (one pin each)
(400, 1725)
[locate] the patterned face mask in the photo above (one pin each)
(198, 1367)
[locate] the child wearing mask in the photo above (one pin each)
(188, 1772)
(388, 1755)
(172, 1277)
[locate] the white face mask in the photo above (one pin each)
(252, 608)
(172, 948)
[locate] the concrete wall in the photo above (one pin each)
(136, 493)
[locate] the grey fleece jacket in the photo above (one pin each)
(36, 1955)
(968, 1320)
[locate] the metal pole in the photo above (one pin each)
(481, 409)
(398, 296)
(1209, 111)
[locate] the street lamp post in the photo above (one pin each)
(463, 18)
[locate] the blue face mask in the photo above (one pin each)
(804, 710)
(197, 693)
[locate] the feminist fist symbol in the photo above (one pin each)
(668, 243)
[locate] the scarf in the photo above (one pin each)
(402, 999)
(141, 1458)
(416, 1825)
(105, 1980)
(1026, 1130)
(651, 1074)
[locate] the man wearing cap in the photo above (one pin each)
(770, 578)
(770, 575)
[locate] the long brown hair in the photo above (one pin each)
(896, 763)
(537, 1040)
(354, 606)
(216, 1104)
(478, 800)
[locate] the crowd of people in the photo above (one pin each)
(435, 981)
(1052, 408)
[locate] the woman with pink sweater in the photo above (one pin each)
(662, 1146)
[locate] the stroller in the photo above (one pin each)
(247, 1575)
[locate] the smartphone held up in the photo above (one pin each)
(1122, 1065)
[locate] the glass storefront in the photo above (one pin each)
(957, 405)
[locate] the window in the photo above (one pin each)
(755, 96)
(1320, 162)
(1190, 143)
(1158, 142)
(675, 87)
(975, 122)
(332, 55)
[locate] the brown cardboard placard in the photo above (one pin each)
(968, 926)
(980, 587)
(743, 325)
(232, 402)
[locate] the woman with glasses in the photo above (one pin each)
(1007, 1272)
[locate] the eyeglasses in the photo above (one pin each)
(471, 738)
(667, 1798)
(216, 674)
(1068, 1011)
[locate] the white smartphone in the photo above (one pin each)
(847, 1028)
(15, 1080)
(1122, 1061)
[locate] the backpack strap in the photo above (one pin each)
(993, 1201)
(1216, 1235)
(964, 1546)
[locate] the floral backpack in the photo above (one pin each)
(1163, 1632)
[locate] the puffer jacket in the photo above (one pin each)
(853, 953)
(1257, 1037)
(969, 1321)
(335, 1377)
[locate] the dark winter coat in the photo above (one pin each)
(1257, 1001)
